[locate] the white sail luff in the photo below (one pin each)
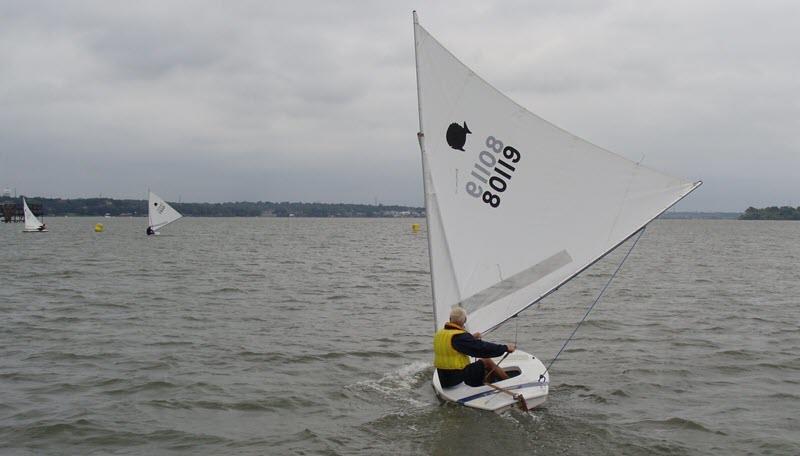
(428, 217)
(445, 282)
(425, 178)
(433, 220)
(558, 203)
(416, 72)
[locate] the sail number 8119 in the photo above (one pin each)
(493, 168)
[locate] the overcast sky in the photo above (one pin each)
(316, 100)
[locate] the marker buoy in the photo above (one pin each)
(98, 228)
(415, 227)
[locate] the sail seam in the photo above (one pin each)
(624, 200)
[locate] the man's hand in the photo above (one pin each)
(476, 335)
(511, 347)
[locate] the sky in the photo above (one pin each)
(316, 100)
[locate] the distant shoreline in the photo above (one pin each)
(771, 213)
(700, 215)
(99, 207)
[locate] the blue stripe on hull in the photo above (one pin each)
(494, 391)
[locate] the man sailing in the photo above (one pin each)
(452, 347)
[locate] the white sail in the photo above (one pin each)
(159, 213)
(31, 222)
(516, 206)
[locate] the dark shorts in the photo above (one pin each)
(472, 375)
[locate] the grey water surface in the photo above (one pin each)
(313, 336)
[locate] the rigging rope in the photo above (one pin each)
(597, 299)
(516, 328)
(489, 374)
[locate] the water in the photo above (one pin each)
(313, 336)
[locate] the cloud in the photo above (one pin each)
(316, 100)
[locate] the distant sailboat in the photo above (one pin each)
(516, 207)
(159, 214)
(32, 224)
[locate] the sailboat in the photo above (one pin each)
(515, 207)
(32, 224)
(159, 214)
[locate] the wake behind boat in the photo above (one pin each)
(515, 208)
(32, 224)
(159, 214)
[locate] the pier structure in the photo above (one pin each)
(13, 212)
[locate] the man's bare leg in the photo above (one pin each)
(491, 367)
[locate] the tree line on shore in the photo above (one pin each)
(128, 207)
(138, 208)
(771, 213)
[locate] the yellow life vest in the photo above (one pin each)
(444, 355)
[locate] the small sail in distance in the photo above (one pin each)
(159, 213)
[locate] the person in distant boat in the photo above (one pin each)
(150, 231)
(452, 347)
(42, 227)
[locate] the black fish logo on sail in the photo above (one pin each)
(457, 135)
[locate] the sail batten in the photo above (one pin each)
(518, 281)
(527, 205)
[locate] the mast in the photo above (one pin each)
(420, 135)
(421, 139)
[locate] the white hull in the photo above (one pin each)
(33, 231)
(527, 384)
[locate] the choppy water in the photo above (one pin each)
(312, 336)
